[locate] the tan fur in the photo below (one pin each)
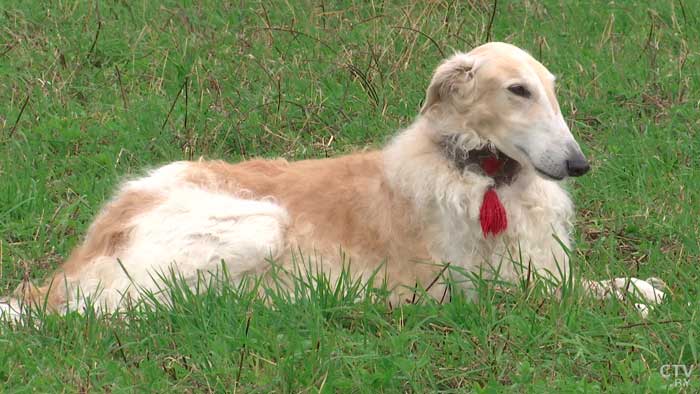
(334, 203)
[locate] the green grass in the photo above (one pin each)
(92, 92)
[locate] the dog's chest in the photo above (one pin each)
(539, 223)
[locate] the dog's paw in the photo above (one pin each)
(657, 283)
(650, 291)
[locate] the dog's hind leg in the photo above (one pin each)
(193, 232)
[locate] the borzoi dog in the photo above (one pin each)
(474, 182)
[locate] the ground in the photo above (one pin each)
(95, 92)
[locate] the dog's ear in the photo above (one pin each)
(453, 79)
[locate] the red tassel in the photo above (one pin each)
(491, 165)
(493, 215)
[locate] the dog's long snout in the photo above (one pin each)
(577, 165)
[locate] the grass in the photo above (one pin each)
(92, 92)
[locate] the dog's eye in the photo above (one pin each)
(519, 90)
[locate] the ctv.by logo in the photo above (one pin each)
(680, 373)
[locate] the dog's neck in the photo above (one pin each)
(485, 160)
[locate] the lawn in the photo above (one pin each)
(92, 93)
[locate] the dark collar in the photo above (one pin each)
(487, 161)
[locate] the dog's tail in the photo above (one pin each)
(27, 298)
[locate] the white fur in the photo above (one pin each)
(192, 231)
(539, 211)
(10, 309)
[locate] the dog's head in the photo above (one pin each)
(507, 97)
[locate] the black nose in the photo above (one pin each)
(577, 166)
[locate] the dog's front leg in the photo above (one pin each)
(651, 291)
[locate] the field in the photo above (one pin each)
(93, 92)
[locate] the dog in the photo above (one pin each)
(473, 182)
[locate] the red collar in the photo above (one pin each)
(490, 161)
